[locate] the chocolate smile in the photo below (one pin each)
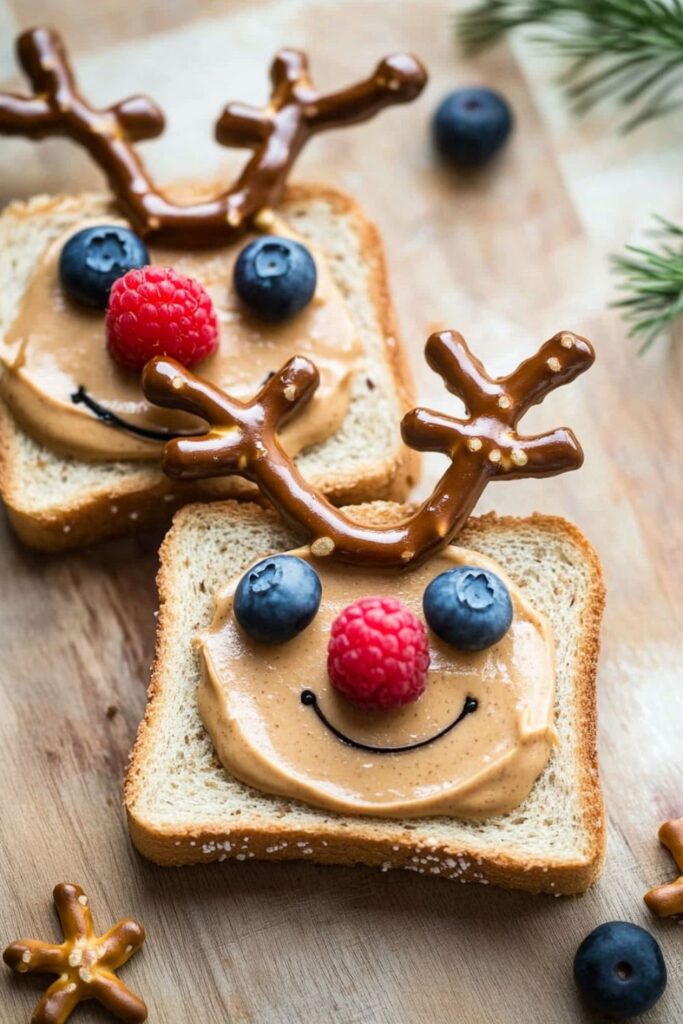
(81, 397)
(309, 700)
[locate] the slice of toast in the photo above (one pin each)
(184, 808)
(57, 503)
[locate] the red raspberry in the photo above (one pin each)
(155, 311)
(378, 654)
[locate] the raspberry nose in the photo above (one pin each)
(378, 654)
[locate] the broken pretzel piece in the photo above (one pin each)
(667, 900)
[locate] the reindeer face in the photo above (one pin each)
(55, 354)
(55, 351)
(482, 731)
(472, 745)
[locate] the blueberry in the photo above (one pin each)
(275, 277)
(94, 258)
(471, 125)
(277, 598)
(620, 970)
(468, 607)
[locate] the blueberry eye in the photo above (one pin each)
(468, 607)
(275, 277)
(94, 258)
(277, 598)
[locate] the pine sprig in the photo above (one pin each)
(628, 50)
(652, 280)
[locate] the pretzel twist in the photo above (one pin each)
(667, 900)
(86, 963)
(484, 446)
(277, 134)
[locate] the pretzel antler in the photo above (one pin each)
(485, 446)
(277, 133)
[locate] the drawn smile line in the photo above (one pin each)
(309, 700)
(81, 397)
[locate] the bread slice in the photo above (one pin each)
(57, 503)
(184, 808)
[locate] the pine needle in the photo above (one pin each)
(652, 283)
(630, 51)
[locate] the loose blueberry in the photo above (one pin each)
(94, 258)
(468, 607)
(471, 125)
(275, 277)
(277, 598)
(620, 970)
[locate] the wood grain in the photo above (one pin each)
(508, 257)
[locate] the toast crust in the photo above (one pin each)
(143, 497)
(348, 840)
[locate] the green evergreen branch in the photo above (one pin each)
(629, 50)
(652, 280)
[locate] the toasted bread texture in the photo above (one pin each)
(184, 808)
(58, 503)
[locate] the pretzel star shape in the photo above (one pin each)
(667, 900)
(85, 962)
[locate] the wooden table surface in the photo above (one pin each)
(508, 256)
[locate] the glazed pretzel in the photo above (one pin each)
(85, 962)
(276, 133)
(242, 438)
(667, 900)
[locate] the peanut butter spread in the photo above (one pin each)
(480, 734)
(54, 347)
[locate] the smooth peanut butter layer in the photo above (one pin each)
(56, 347)
(484, 724)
